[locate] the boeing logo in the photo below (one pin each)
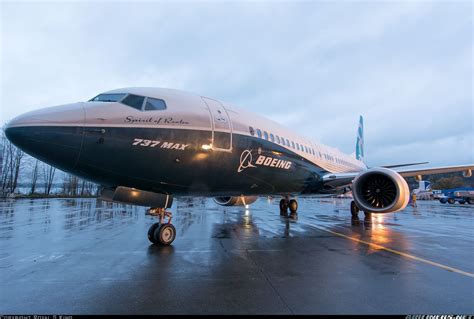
(246, 161)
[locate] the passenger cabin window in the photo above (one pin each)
(259, 133)
(134, 101)
(272, 138)
(277, 138)
(292, 144)
(112, 97)
(252, 131)
(265, 135)
(154, 104)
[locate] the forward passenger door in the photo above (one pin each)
(221, 126)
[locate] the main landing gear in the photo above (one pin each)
(355, 211)
(292, 205)
(162, 233)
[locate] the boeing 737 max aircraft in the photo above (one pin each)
(144, 145)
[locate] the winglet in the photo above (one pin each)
(360, 140)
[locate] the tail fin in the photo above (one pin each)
(360, 140)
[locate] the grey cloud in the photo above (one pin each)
(407, 67)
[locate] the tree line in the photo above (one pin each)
(444, 181)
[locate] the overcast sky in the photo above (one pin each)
(406, 66)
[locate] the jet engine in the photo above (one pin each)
(235, 200)
(380, 190)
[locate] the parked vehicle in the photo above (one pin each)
(437, 194)
(462, 197)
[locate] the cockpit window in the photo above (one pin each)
(108, 97)
(134, 101)
(154, 104)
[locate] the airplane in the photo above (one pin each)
(146, 145)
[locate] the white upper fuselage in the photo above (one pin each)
(190, 106)
(189, 111)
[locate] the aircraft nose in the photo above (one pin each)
(53, 135)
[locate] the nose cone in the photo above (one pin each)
(53, 135)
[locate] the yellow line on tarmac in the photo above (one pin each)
(377, 246)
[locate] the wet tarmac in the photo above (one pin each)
(83, 256)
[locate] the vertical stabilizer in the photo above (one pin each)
(360, 140)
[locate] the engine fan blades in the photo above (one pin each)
(379, 191)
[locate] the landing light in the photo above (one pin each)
(206, 147)
(201, 156)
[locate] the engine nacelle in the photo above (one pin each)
(235, 200)
(380, 190)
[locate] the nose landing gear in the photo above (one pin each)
(162, 233)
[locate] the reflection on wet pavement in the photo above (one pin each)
(75, 252)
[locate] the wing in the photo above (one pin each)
(467, 169)
(401, 165)
(343, 179)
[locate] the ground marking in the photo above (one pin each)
(377, 246)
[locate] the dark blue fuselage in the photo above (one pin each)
(171, 161)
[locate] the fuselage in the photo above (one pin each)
(185, 144)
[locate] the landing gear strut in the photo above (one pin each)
(162, 233)
(284, 207)
(355, 211)
(286, 204)
(293, 206)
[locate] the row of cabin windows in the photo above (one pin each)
(343, 162)
(141, 103)
(285, 142)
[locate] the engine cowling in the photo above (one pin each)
(380, 190)
(235, 200)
